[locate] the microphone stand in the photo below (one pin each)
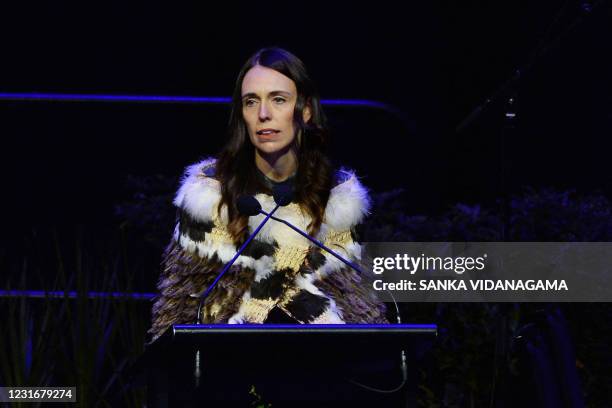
(404, 366)
(315, 241)
(231, 262)
(197, 372)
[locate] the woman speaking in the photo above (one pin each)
(277, 137)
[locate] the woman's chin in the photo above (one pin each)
(272, 147)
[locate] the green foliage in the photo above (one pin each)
(257, 400)
(78, 342)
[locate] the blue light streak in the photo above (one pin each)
(73, 294)
(215, 100)
(310, 326)
(53, 97)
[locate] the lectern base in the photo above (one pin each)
(290, 385)
(293, 366)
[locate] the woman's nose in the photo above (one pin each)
(264, 111)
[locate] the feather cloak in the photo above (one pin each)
(279, 274)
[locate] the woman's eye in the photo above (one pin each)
(249, 102)
(279, 100)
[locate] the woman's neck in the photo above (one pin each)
(277, 167)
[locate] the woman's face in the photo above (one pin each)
(268, 102)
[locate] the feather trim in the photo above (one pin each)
(347, 206)
(348, 203)
(199, 194)
(190, 266)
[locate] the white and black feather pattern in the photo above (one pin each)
(198, 194)
(278, 232)
(347, 206)
(198, 198)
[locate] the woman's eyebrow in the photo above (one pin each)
(287, 93)
(250, 95)
(273, 93)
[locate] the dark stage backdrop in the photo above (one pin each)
(77, 215)
(432, 62)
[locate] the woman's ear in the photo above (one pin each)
(307, 112)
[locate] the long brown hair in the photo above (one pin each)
(236, 168)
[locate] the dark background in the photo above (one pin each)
(434, 63)
(84, 209)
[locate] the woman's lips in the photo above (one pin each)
(267, 134)
(267, 131)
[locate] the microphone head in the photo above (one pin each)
(248, 205)
(283, 194)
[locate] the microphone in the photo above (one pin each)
(283, 194)
(247, 205)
